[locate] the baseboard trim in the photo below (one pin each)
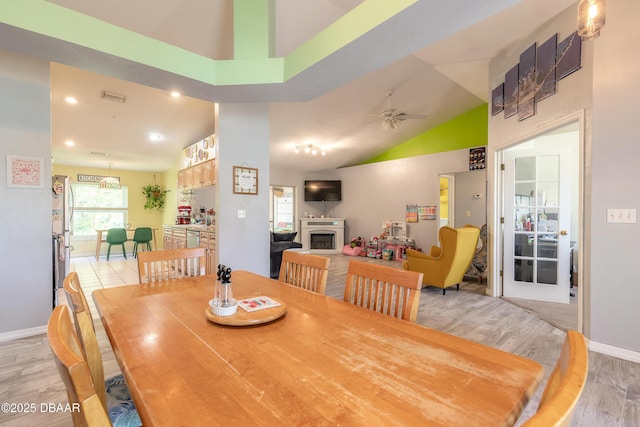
(609, 350)
(23, 333)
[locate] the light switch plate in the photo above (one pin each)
(621, 216)
(242, 213)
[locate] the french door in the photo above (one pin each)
(537, 220)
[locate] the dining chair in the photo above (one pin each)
(113, 392)
(143, 236)
(564, 386)
(384, 289)
(158, 266)
(305, 271)
(116, 236)
(74, 370)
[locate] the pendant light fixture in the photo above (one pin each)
(109, 182)
(591, 17)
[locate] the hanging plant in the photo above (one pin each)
(156, 196)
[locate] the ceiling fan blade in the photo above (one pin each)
(403, 116)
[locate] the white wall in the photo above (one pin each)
(615, 295)
(242, 139)
(26, 274)
(374, 192)
(605, 93)
(467, 185)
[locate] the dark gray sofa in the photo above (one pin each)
(279, 243)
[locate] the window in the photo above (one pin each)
(97, 209)
(282, 208)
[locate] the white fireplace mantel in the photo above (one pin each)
(325, 230)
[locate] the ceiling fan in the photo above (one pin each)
(392, 118)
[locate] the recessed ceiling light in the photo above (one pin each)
(175, 94)
(69, 143)
(71, 100)
(154, 136)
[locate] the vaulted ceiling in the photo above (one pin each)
(433, 55)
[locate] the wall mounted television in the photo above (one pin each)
(322, 191)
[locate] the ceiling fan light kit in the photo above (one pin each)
(310, 149)
(392, 118)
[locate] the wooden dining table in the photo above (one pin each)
(324, 362)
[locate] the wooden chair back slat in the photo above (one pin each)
(85, 331)
(384, 289)
(159, 266)
(74, 371)
(305, 271)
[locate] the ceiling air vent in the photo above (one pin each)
(112, 96)
(98, 153)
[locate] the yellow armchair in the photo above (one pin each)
(446, 264)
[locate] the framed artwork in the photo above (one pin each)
(497, 99)
(511, 92)
(25, 172)
(527, 83)
(569, 56)
(477, 158)
(427, 212)
(411, 213)
(245, 180)
(546, 68)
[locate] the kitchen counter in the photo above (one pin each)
(198, 227)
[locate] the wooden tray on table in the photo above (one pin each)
(249, 318)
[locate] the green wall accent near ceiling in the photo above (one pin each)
(52, 20)
(253, 30)
(360, 20)
(465, 131)
(57, 22)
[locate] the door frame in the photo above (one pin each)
(496, 235)
(451, 203)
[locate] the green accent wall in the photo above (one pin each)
(253, 35)
(465, 131)
(253, 40)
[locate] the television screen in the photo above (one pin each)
(322, 191)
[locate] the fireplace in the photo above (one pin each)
(322, 235)
(322, 241)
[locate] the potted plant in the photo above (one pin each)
(155, 196)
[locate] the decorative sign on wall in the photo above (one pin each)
(25, 172)
(245, 180)
(477, 158)
(94, 178)
(427, 212)
(411, 213)
(534, 77)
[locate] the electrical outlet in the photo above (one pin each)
(621, 216)
(242, 213)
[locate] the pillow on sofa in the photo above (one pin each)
(284, 237)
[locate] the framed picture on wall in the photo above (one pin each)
(497, 99)
(25, 172)
(546, 68)
(569, 56)
(527, 83)
(245, 180)
(511, 92)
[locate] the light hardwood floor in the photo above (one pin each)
(611, 396)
